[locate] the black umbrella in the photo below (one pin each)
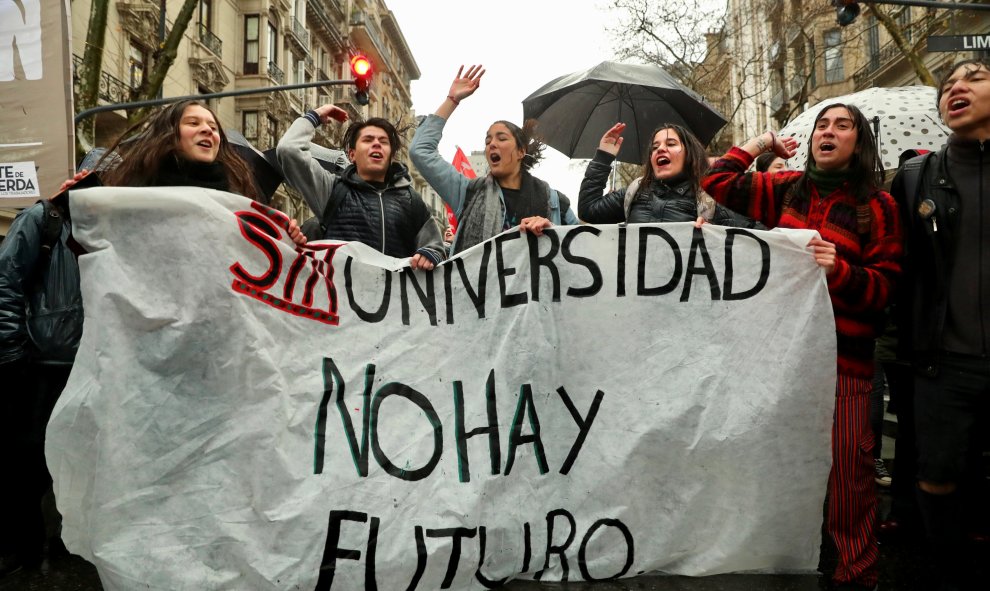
(265, 164)
(575, 110)
(267, 176)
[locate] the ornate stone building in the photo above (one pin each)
(245, 44)
(787, 55)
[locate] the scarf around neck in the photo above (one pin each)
(827, 181)
(484, 214)
(178, 172)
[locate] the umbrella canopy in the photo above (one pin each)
(903, 118)
(575, 110)
(267, 176)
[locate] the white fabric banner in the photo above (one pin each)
(599, 402)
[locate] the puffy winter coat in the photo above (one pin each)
(663, 203)
(393, 220)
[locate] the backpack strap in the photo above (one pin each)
(52, 221)
(912, 171)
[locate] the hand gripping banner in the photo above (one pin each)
(596, 403)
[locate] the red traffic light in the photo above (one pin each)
(361, 67)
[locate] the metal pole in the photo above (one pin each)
(161, 36)
(933, 4)
(192, 97)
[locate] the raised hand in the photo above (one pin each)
(466, 83)
(612, 140)
(68, 183)
(331, 111)
(785, 147)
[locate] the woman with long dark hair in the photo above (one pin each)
(838, 194)
(667, 190)
(505, 197)
(183, 144)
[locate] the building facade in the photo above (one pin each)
(233, 45)
(788, 55)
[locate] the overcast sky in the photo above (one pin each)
(523, 44)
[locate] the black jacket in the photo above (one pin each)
(394, 220)
(932, 245)
(357, 214)
(41, 313)
(664, 203)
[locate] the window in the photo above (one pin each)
(137, 63)
(904, 23)
(211, 104)
(251, 44)
(272, 131)
(205, 14)
(273, 42)
(834, 72)
(873, 42)
(249, 125)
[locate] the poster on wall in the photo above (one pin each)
(36, 109)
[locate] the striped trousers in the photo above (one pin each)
(852, 494)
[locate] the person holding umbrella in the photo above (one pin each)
(669, 189)
(508, 195)
(838, 194)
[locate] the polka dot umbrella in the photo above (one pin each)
(902, 118)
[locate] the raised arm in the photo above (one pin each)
(594, 205)
(301, 170)
(758, 194)
(446, 180)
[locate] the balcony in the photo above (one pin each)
(774, 53)
(368, 36)
(796, 85)
(863, 78)
(111, 89)
(325, 23)
(777, 101)
(276, 73)
(210, 41)
(299, 35)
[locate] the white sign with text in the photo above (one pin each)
(596, 403)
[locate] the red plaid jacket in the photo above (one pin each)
(867, 238)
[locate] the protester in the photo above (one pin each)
(372, 200)
(943, 316)
(41, 307)
(508, 195)
(860, 248)
(669, 189)
(40, 325)
(770, 162)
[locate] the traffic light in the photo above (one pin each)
(361, 68)
(846, 11)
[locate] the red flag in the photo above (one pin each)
(463, 165)
(451, 218)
